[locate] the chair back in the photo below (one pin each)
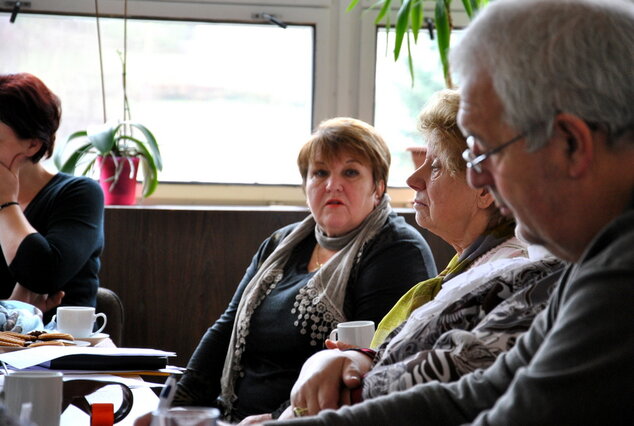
(110, 304)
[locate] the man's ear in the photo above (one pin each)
(576, 136)
(485, 198)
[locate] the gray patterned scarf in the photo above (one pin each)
(318, 305)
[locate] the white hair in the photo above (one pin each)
(551, 56)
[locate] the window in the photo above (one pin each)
(398, 101)
(215, 95)
(230, 97)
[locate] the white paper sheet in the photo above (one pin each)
(35, 356)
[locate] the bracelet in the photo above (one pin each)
(7, 204)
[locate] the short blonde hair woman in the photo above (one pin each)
(350, 259)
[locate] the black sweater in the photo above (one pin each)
(64, 253)
(392, 262)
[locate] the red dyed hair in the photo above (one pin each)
(31, 110)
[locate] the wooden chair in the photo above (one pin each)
(110, 304)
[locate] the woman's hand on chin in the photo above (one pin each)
(9, 173)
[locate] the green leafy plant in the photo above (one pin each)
(115, 140)
(409, 20)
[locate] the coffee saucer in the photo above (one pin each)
(79, 343)
(95, 338)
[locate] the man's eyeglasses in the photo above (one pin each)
(474, 162)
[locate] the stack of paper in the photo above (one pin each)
(87, 359)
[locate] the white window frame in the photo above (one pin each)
(345, 46)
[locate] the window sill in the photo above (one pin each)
(246, 195)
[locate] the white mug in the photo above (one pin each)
(42, 390)
(357, 333)
(78, 320)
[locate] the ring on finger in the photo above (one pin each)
(300, 412)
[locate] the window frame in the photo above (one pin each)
(344, 63)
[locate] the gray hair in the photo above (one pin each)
(550, 56)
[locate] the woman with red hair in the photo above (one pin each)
(51, 225)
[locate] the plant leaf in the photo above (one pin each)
(416, 18)
(89, 167)
(385, 9)
(150, 178)
(410, 61)
(401, 27)
(443, 34)
(71, 164)
(151, 141)
(103, 137)
(150, 181)
(57, 157)
(351, 5)
(469, 5)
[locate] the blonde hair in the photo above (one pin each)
(439, 127)
(344, 134)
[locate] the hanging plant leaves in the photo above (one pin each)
(416, 17)
(402, 25)
(443, 35)
(411, 16)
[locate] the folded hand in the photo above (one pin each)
(44, 302)
(326, 379)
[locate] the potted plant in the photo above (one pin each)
(410, 17)
(113, 147)
(409, 21)
(119, 154)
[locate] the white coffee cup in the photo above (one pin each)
(357, 333)
(78, 320)
(42, 390)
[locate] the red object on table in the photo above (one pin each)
(102, 415)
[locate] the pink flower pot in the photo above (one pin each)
(418, 155)
(123, 192)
